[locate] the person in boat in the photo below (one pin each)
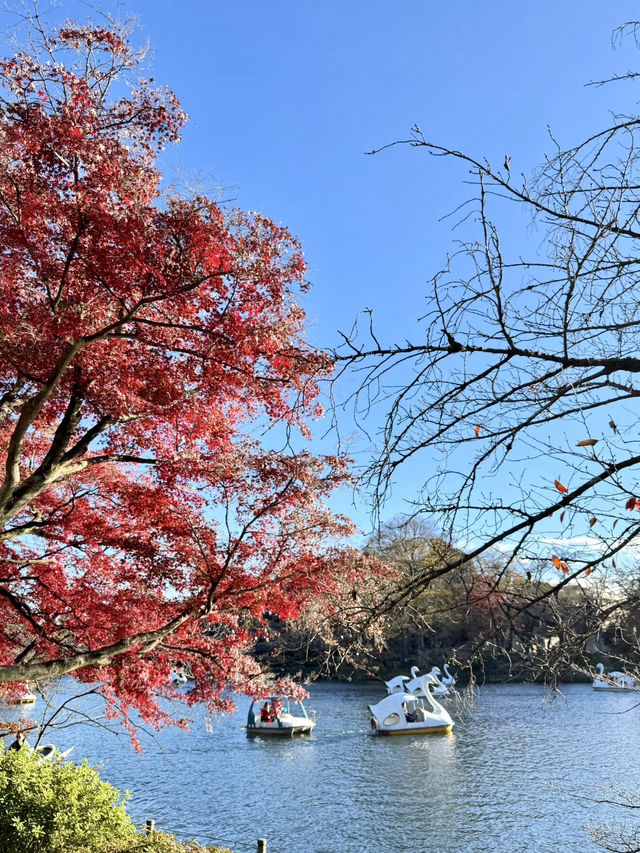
(410, 716)
(20, 741)
(267, 713)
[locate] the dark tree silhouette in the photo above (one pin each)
(519, 398)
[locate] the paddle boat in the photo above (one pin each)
(448, 680)
(45, 751)
(620, 681)
(279, 717)
(49, 752)
(396, 685)
(404, 684)
(437, 687)
(410, 713)
(399, 683)
(25, 697)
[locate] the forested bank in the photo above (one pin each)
(492, 621)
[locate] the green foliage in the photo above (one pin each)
(59, 808)
(66, 808)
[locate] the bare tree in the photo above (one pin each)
(519, 398)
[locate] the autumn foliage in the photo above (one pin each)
(144, 337)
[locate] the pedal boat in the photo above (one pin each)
(620, 681)
(409, 714)
(26, 697)
(281, 722)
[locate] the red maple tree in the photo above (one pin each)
(143, 335)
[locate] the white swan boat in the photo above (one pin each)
(440, 687)
(448, 680)
(396, 685)
(50, 752)
(415, 686)
(44, 752)
(279, 717)
(410, 713)
(620, 681)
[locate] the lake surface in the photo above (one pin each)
(515, 775)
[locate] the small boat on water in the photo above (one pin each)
(620, 681)
(448, 679)
(278, 717)
(408, 713)
(49, 752)
(439, 686)
(45, 751)
(415, 686)
(396, 685)
(26, 698)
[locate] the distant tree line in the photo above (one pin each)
(493, 621)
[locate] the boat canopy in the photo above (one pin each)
(278, 705)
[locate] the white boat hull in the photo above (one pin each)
(416, 729)
(274, 730)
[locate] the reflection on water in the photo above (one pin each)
(505, 780)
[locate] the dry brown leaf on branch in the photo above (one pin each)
(560, 564)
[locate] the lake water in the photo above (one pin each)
(518, 773)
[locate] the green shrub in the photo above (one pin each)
(66, 808)
(59, 808)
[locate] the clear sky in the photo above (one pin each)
(285, 96)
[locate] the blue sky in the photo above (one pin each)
(286, 96)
